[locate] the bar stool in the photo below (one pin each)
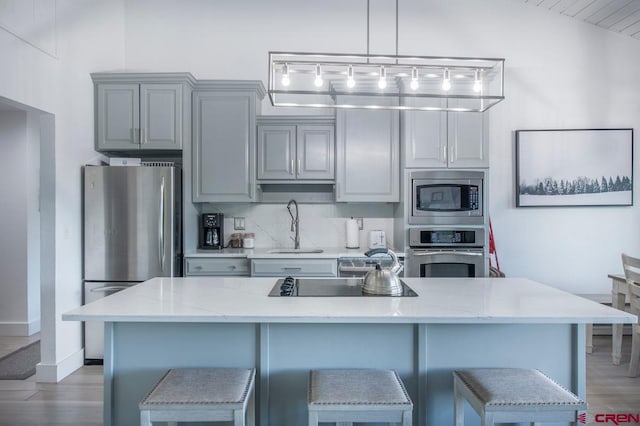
(201, 394)
(501, 395)
(346, 396)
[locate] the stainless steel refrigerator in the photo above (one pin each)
(132, 231)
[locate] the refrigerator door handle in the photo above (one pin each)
(161, 227)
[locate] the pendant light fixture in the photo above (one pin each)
(338, 80)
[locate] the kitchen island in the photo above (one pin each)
(231, 322)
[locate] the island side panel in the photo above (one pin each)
(142, 352)
(547, 347)
(294, 349)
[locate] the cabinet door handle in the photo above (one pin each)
(291, 168)
(143, 136)
(452, 158)
(298, 171)
(198, 268)
(292, 269)
(232, 267)
(444, 153)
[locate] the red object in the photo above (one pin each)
(492, 248)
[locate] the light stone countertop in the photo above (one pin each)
(264, 253)
(440, 300)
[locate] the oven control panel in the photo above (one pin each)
(424, 237)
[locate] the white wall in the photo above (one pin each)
(560, 73)
(13, 239)
(53, 76)
(20, 232)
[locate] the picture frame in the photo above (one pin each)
(574, 167)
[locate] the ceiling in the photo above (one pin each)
(621, 16)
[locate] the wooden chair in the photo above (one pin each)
(632, 274)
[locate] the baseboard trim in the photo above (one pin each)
(20, 329)
(53, 373)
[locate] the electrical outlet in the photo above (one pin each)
(238, 223)
(360, 222)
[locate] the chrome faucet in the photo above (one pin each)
(295, 223)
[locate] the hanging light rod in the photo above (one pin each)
(427, 83)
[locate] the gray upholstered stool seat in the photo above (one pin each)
(346, 396)
(201, 394)
(513, 395)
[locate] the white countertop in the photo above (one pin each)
(264, 253)
(440, 300)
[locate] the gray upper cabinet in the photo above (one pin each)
(224, 140)
(468, 139)
(445, 139)
(276, 152)
(367, 156)
(296, 148)
(315, 152)
(136, 111)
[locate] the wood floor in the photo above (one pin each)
(77, 400)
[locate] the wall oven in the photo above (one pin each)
(439, 252)
(447, 197)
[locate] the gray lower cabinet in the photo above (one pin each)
(136, 111)
(294, 267)
(224, 140)
(296, 148)
(445, 139)
(216, 266)
(367, 156)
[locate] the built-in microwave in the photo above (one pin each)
(447, 197)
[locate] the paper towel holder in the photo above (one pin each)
(352, 233)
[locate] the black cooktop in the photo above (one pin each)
(327, 287)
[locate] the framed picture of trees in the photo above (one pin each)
(575, 167)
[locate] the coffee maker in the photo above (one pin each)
(211, 231)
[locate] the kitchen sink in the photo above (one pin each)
(295, 251)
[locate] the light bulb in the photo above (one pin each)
(414, 79)
(351, 82)
(446, 80)
(318, 81)
(285, 75)
(382, 83)
(477, 83)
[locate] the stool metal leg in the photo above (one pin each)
(238, 417)
(251, 410)
(487, 419)
(458, 406)
(407, 418)
(145, 418)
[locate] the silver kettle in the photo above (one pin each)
(383, 281)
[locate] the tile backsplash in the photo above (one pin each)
(321, 225)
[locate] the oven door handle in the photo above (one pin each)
(355, 268)
(455, 253)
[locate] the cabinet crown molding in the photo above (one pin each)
(233, 86)
(147, 77)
